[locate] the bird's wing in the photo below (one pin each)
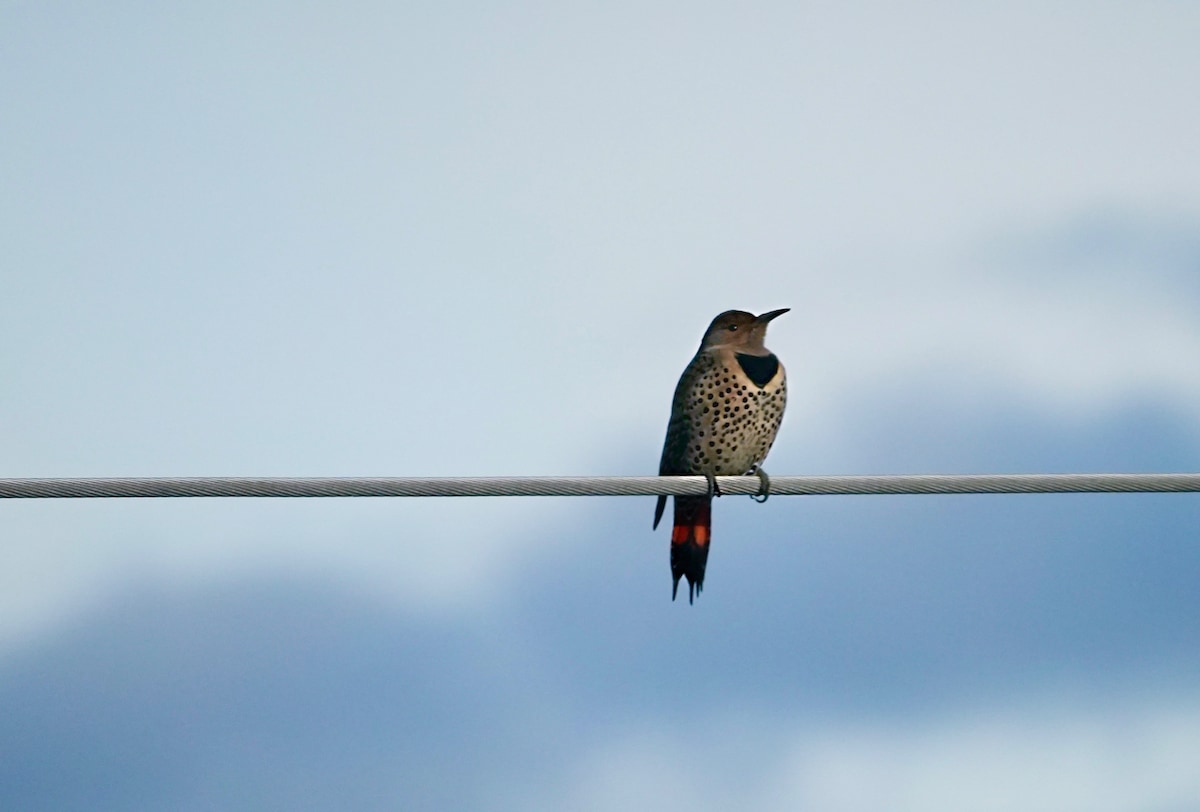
(679, 429)
(679, 433)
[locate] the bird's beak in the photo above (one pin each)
(766, 317)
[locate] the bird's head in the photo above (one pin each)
(737, 328)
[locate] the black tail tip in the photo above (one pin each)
(694, 589)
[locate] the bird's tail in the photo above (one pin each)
(689, 542)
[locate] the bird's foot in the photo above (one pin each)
(765, 491)
(713, 488)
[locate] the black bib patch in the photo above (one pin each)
(758, 368)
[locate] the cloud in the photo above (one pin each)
(1044, 322)
(1128, 755)
(272, 691)
(401, 243)
(1010, 363)
(288, 691)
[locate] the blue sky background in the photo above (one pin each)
(270, 239)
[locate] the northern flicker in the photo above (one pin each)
(724, 418)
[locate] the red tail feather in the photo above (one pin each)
(689, 542)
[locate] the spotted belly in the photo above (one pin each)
(733, 423)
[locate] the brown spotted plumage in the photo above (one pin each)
(724, 418)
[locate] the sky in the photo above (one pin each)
(264, 239)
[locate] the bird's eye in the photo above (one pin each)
(732, 328)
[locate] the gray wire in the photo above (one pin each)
(591, 486)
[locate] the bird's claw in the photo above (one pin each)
(764, 492)
(713, 488)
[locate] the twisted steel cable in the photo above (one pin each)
(89, 488)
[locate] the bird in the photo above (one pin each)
(725, 415)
